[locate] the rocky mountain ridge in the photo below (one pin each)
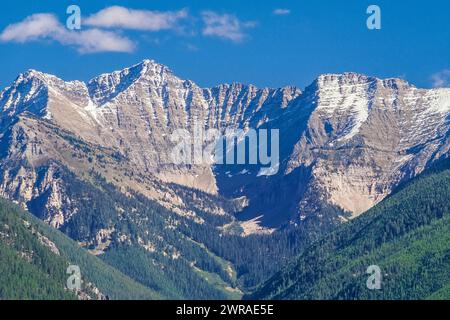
(346, 141)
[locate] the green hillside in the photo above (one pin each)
(34, 258)
(407, 235)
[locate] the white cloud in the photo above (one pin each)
(42, 26)
(441, 79)
(95, 40)
(33, 27)
(124, 18)
(225, 26)
(281, 11)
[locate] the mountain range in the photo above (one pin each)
(93, 160)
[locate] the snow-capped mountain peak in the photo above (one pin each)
(347, 140)
(107, 86)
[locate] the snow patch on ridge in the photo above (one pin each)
(440, 100)
(344, 95)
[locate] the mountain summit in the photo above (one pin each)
(345, 142)
(94, 161)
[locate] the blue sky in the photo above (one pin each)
(266, 43)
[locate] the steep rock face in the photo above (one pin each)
(140, 107)
(37, 153)
(366, 135)
(345, 142)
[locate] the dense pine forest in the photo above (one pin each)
(407, 235)
(34, 259)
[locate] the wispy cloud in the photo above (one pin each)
(32, 28)
(104, 31)
(441, 79)
(125, 18)
(45, 26)
(191, 47)
(281, 11)
(226, 26)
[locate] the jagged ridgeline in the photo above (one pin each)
(407, 235)
(93, 160)
(346, 141)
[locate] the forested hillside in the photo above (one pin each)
(34, 259)
(153, 252)
(175, 255)
(407, 236)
